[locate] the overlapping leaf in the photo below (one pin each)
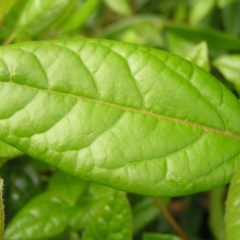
(130, 117)
(48, 215)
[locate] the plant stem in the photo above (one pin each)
(216, 218)
(1, 211)
(170, 219)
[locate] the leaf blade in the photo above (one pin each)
(232, 208)
(117, 152)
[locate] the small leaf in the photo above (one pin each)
(80, 16)
(42, 218)
(112, 221)
(233, 208)
(199, 56)
(36, 16)
(121, 7)
(200, 10)
(231, 18)
(88, 206)
(67, 187)
(139, 29)
(130, 117)
(216, 40)
(229, 66)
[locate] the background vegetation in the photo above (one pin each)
(205, 32)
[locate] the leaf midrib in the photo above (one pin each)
(127, 109)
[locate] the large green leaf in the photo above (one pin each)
(233, 208)
(130, 117)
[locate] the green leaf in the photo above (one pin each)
(1, 211)
(233, 208)
(216, 218)
(154, 236)
(66, 187)
(37, 16)
(7, 152)
(22, 182)
(231, 18)
(130, 117)
(199, 56)
(216, 40)
(200, 9)
(80, 16)
(42, 218)
(142, 29)
(121, 7)
(112, 221)
(6, 5)
(229, 66)
(94, 198)
(224, 3)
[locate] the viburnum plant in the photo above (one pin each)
(108, 118)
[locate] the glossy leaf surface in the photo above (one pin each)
(130, 117)
(112, 221)
(233, 208)
(51, 213)
(44, 217)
